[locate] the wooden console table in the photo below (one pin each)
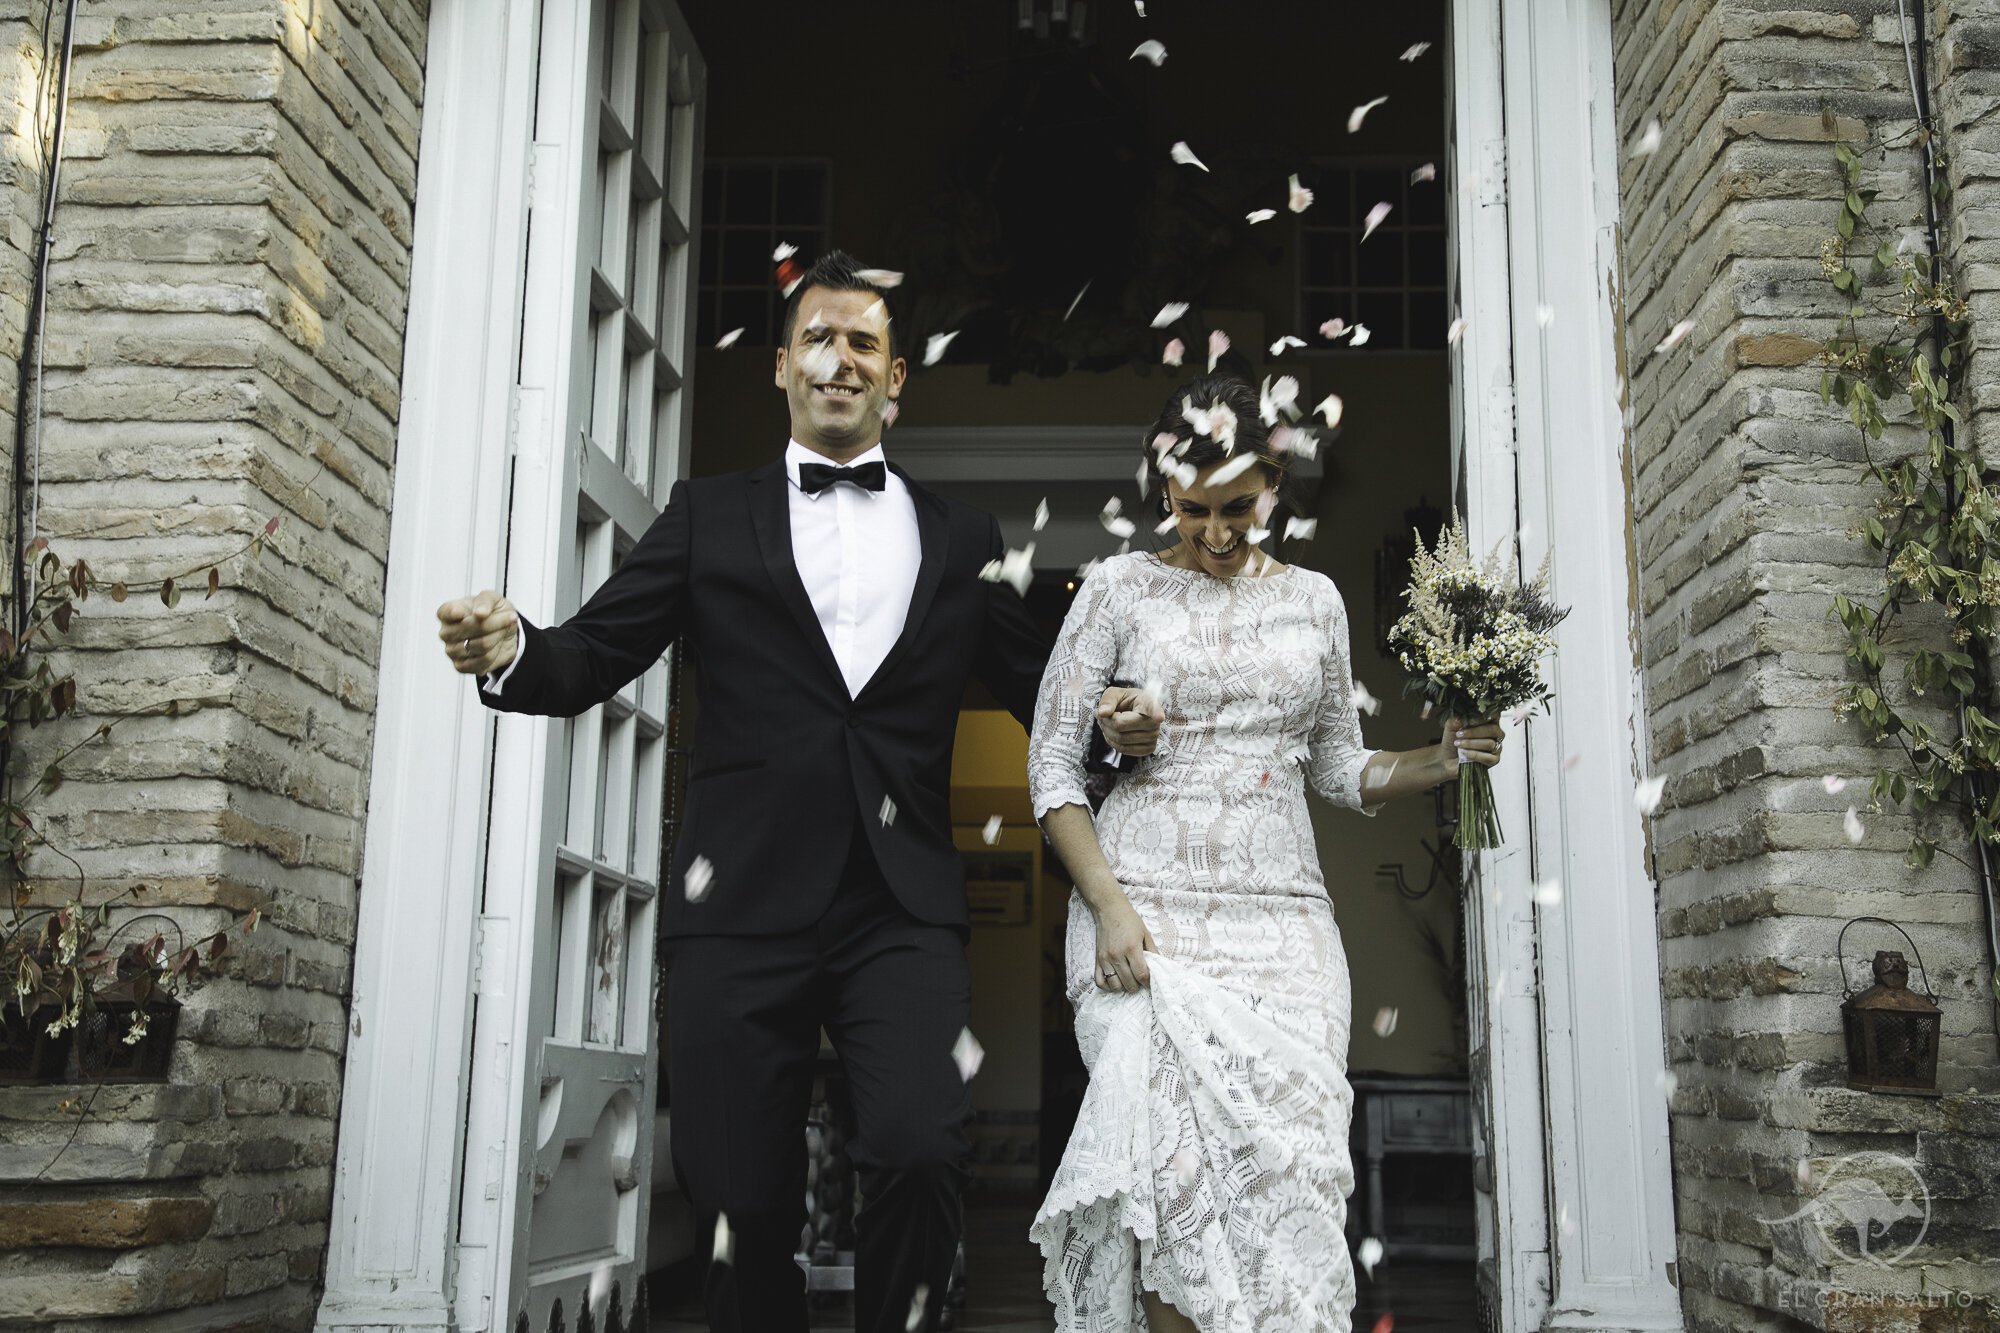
(1394, 1116)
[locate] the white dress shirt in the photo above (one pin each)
(857, 553)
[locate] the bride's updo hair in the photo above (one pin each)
(1202, 452)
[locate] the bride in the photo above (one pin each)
(1207, 1177)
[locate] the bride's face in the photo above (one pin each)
(1214, 521)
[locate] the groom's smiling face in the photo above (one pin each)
(838, 371)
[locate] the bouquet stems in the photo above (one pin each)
(1478, 820)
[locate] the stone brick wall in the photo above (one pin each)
(225, 341)
(1746, 487)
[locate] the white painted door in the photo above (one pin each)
(560, 1113)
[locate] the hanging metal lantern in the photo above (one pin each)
(1892, 1032)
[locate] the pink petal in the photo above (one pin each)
(1174, 352)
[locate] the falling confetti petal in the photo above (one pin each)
(1114, 522)
(1278, 347)
(1674, 335)
(1041, 515)
(1648, 141)
(1833, 784)
(1545, 315)
(1667, 1082)
(890, 411)
(1218, 343)
(1174, 353)
(934, 347)
(1169, 312)
(1386, 1324)
(1415, 51)
(725, 1240)
(1355, 117)
(1184, 155)
(1360, 335)
(1257, 535)
(1165, 525)
(1185, 1163)
(1231, 470)
(1257, 215)
(1151, 50)
(919, 1298)
(1369, 1253)
(728, 339)
(1077, 302)
(784, 251)
(1140, 5)
(1646, 797)
(1331, 408)
(1276, 397)
(1333, 328)
(1427, 172)
(1303, 529)
(991, 833)
(1298, 198)
(1385, 1020)
(1571, 761)
(1549, 893)
(1298, 440)
(1015, 567)
(700, 874)
(1805, 1172)
(1455, 332)
(967, 1054)
(880, 277)
(1374, 219)
(888, 812)
(1363, 700)
(1852, 824)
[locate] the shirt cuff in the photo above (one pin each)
(493, 684)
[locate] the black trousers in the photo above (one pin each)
(743, 1021)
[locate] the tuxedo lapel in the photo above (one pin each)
(771, 517)
(933, 537)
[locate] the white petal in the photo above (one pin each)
(1232, 469)
(1331, 408)
(1368, 1253)
(1646, 796)
(1549, 893)
(1545, 314)
(1385, 1021)
(920, 1296)
(1355, 117)
(890, 411)
(1218, 343)
(1667, 1080)
(1455, 332)
(1299, 198)
(1077, 302)
(880, 277)
(1140, 5)
(1648, 141)
(1363, 700)
(1184, 155)
(888, 812)
(1173, 353)
(1833, 784)
(1278, 347)
(1152, 50)
(728, 339)
(1256, 215)
(935, 345)
(1359, 337)
(967, 1054)
(1303, 529)
(790, 287)
(725, 1240)
(1333, 328)
(1185, 1164)
(1276, 397)
(1169, 312)
(1427, 172)
(700, 874)
(1374, 219)
(1415, 51)
(1851, 822)
(1041, 514)
(991, 833)
(1674, 335)
(784, 251)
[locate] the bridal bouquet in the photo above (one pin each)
(1472, 641)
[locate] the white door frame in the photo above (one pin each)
(1573, 989)
(391, 1255)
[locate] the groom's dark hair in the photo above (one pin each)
(1202, 452)
(837, 271)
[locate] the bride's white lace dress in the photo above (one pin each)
(1210, 1160)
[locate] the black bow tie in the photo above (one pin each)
(816, 477)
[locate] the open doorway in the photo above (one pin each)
(1011, 159)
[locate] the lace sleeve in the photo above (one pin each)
(1085, 656)
(1335, 755)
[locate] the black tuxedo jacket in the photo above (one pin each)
(784, 759)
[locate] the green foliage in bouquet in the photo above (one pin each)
(1472, 642)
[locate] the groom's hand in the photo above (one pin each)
(1130, 720)
(481, 633)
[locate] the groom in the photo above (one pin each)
(834, 610)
